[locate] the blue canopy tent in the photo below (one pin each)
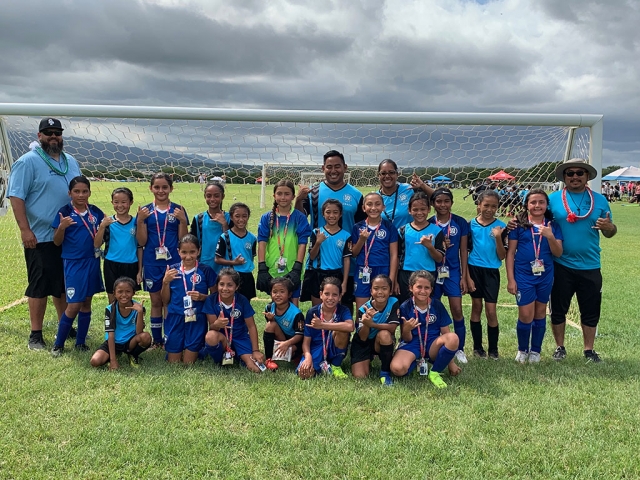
(441, 179)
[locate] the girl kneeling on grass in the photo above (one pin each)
(124, 327)
(232, 328)
(425, 334)
(185, 287)
(326, 333)
(532, 246)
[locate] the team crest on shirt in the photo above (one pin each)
(432, 318)
(71, 292)
(149, 284)
(235, 313)
(453, 232)
(403, 197)
(171, 217)
(491, 234)
(346, 197)
(340, 243)
(132, 231)
(196, 278)
(381, 234)
(247, 246)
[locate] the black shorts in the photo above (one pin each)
(585, 284)
(45, 271)
(403, 283)
(487, 282)
(120, 347)
(362, 350)
(247, 285)
(312, 281)
(114, 270)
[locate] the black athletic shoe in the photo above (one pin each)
(56, 351)
(480, 353)
(36, 342)
(494, 355)
(560, 353)
(72, 333)
(82, 348)
(592, 356)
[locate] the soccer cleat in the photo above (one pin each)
(56, 351)
(36, 343)
(480, 353)
(386, 381)
(592, 356)
(134, 361)
(522, 357)
(81, 347)
(461, 357)
(494, 355)
(337, 372)
(271, 365)
(560, 353)
(73, 333)
(534, 357)
(436, 379)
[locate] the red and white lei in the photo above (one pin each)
(571, 216)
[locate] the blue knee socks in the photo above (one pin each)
(524, 334)
(461, 331)
(64, 326)
(537, 333)
(156, 329)
(84, 319)
(442, 359)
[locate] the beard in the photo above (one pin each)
(52, 148)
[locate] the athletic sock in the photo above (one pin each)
(524, 334)
(156, 329)
(476, 334)
(461, 331)
(537, 334)
(137, 350)
(337, 360)
(442, 359)
(269, 339)
(492, 334)
(386, 354)
(64, 326)
(84, 320)
(209, 350)
(36, 334)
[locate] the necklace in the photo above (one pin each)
(63, 157)
(572, 217)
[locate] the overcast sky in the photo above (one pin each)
(549, 56)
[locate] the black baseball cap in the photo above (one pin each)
(49, 122)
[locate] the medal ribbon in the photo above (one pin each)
(367, 249)
(184, 277)
(166, 219)
(284, 234)
(571, 216)
(228, 333)
(423, 345)
(325, 346)
(92, 220)
(536, 249)
(448, 227)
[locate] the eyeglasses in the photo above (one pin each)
(571, 173)
(387, 174)
(52, 133)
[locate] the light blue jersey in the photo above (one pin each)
(484, 252)
(396, 205)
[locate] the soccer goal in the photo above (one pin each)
(125, 145)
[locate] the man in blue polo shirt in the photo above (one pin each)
(582, 214)
(38, 188)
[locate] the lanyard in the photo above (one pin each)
(536, 249)
(166, 219)
(59, 171)
(448, 227)
(325, 346)
(228, 333)
(284, 234)
(423, 345)
(367, 249)
(395, 204)
(184, 277)
(92, 230)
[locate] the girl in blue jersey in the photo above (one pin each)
(487, 246)
(375, 331)
(232, 328)
(532, 246)
(122, 257)
(420, 245)
(159, 227)
(285, 323)
(124, 327)
(282, 240)
(185, 287)
(425, 335)
(329, 253)
(237, 249)
(209, 225)
(375, 248)
(75, 227)
(327, 329)
(451, 277)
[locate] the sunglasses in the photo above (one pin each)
(52, 133)
(571, 173)
(387, 174)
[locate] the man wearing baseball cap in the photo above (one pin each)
(582, 214)
(38, 187)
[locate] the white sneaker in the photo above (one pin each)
(461, 357)
(534, 357)
(522, 357)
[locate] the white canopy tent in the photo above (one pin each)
(625, 174)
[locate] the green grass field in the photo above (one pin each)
(62, 418)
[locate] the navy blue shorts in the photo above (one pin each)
(180, 335)
(82, 279)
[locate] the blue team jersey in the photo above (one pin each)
(43, 191)
(237, 312)
(170, 239)
(525, 252)
(208, 232)
(231, 245)
(291, 322)
(78, 238)
(120, 244)
(333, 250)
(342, 315)
(379, 251)
(581, 245)
(483, 244)
(298, 232)
(350, 198)
(123, 328)
(456, 229)
(412, 254)
(388, 315)
(396, 205)
(437, 314)
(198, 280)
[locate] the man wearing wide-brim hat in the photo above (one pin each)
(582, 214)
